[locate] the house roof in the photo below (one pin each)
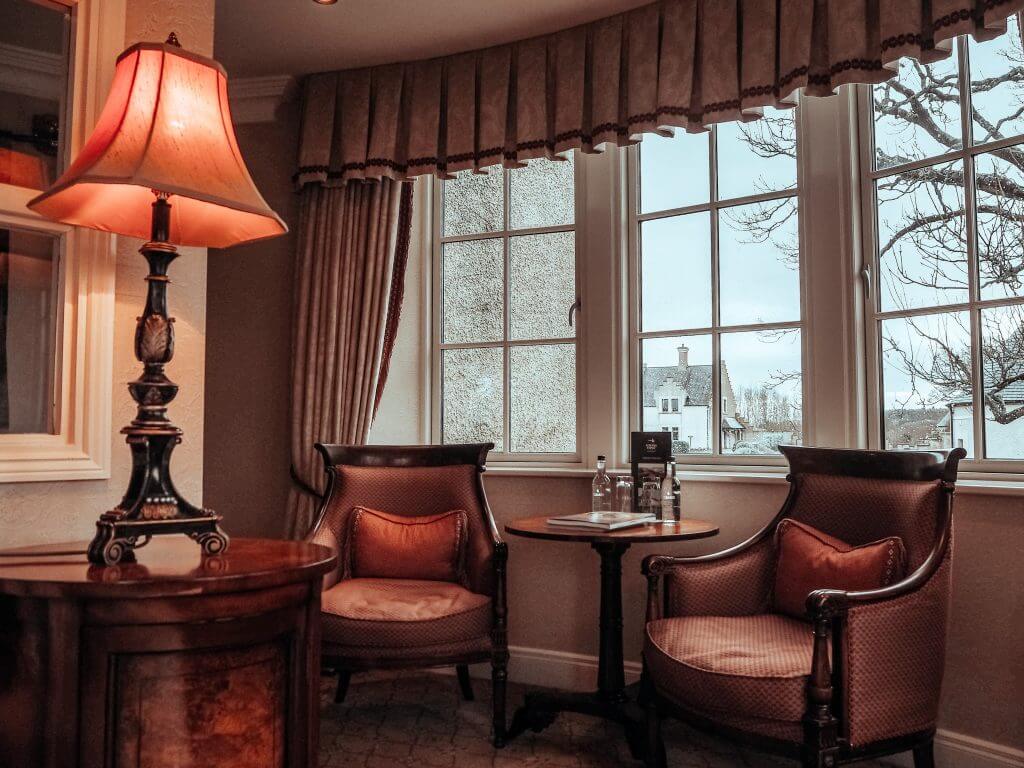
(1011, 393)
(694, 380)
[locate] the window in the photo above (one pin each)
(675, 405)
(506, 287)
(664, 405)
(717, 285)
(944, 182)
(675, 433)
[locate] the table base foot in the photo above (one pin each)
(539, 711)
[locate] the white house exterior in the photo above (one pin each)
(677, 399)
(1002, 441)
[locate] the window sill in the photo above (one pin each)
(977, 484)
(969, 483)
(724, 475)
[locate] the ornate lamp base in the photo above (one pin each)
(116, 539)
(152, 505)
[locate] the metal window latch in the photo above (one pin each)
(865, 274)
(574, 310)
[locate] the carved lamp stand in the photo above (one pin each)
(165, 131)
(152, 505)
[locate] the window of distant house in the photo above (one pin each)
(717, 315)
(945, 188)
(675, 405)
(506, 340)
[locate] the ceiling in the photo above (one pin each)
(294, 37)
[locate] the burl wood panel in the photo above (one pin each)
(210, 709)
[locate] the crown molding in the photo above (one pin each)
(256, 99)
(28, 72)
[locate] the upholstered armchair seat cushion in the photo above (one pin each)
(750, 668)
(403, 614)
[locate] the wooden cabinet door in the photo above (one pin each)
(223, 708)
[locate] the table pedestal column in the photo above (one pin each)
(611, 700)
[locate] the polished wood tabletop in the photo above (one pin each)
(538, 528)
(167, 566)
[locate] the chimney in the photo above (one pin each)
(684, 357)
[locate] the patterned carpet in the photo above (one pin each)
(418, 720)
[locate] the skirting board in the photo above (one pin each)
(551, 669)
(578, 672)
(957, 750)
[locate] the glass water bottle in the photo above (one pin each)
(670, 511)
(601, 489)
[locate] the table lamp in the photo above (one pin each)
(163, 164)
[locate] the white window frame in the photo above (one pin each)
(498, 457)
(716, 460)
(873, 315)
(80, 447)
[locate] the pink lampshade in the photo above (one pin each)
(166, 126)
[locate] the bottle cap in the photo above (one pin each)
(600, 458)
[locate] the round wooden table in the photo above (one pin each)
(175, 658)
(611, 700)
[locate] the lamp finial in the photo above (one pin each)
(172, 39)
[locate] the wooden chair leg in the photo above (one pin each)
(654, 744)
(499, 681)
(344, 676)
(464, 683)
(924, 755)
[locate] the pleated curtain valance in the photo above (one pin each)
(676, 63)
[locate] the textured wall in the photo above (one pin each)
(48, 512)
(248, 348)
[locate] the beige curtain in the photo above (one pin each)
(350, 239)
(675, 63)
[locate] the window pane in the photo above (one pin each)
(675, 277)
(759, 263)
(28, 275)
(543, 398)
(472, 274)
(542, 194)
(472, 405)
(673, 171)
(917, 113)
(757, 157)
(1000, 186)
(926, 382)
(997, 85)
(1002, 354)
(473, 203)
(678, 367)
(542, 285)
(32, 103)
(922, 238)
(761, 391)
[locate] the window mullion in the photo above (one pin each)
(506, 354)
(716, 346)
(971, 212)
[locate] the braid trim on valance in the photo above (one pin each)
(672, 64)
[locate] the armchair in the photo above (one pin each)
(375, 623)
(861, 677)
